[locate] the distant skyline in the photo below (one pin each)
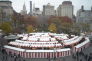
(18, 4)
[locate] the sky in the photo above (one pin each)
(18, 4)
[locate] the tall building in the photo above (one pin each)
(37, 12)
(24, 11)
(6, 10)
(30, 7)
(65, 9)
(48, 10)
(84, 16)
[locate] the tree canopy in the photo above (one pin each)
(6, 27)
(30, 28)
(52, 27)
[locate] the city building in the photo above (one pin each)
(37, 12)
(6, 10)
(84, 16)
(65, 9)
(30, 8)
(24, 11)
(48, 10)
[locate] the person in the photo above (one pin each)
(15, 59)
(89, 58)
(85, 56)
(80, 59)
(23, 60)
(73, 56)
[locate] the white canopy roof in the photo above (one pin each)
(72, 41)
(35, 44)
(14, 48)
(83, 43)
(24, 50)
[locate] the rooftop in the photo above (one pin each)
(67, 2)
(4, 0)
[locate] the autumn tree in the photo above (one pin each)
(75, 29)
(17, 19)
(85, 27)
(80, 27)
(6, 27)
(30, 29)
(63, 24)
(66, 27)
(30, 20)
(52, 27)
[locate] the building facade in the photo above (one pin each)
(37, 12)
(84, 16)
(30, 8)
(48, 10)
(24, 11)
(65, 9)
(6, 10)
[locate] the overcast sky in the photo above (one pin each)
(18, 4)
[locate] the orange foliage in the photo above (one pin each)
(30, 20)
(60, 19)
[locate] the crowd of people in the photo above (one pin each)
(14, 57)
(86, 57)
(9, 57)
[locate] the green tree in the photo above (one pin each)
(6, 27)
(52, 27)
